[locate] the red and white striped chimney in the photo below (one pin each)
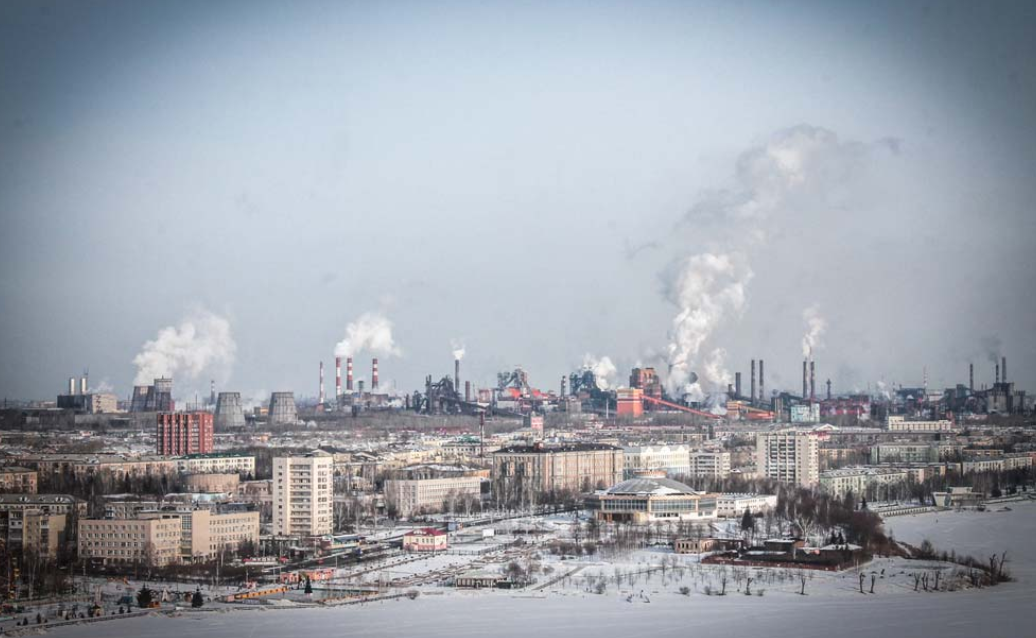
(321, 383)
(349, 374)
(338, 377)
(374, 375)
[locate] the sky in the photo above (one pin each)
(218, 190)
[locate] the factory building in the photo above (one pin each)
(303, 494)
(789, 456)
(157, 397)
(180, 433)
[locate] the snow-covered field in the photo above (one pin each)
(833, 606)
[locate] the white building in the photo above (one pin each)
(900, 424)
(860, 480)
(216, 463)
(707, 463)
(432, 495)
(789, 456)
(734, 505)
(303, 494)
(672, 460)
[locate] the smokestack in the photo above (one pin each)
(82, 385)
(374, 374)
(997, 373)
(829, 389)
(737, 385)
(762, 381)
(212, 388)
(338, 378)
(563, 381)
(322, 383)
(752, 398)
(456, 375)
(349, 374)
(71, 385)
(971, 377)
(1003, 369)
(812, 381)
(805, 378)
(467, 391)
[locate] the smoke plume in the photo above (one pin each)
(458, 348)
(707, 289)
(802, 164)
(372, 333)
(815, 326)
(604, 370)
(202, 343)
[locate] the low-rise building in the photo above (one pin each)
(427, 539)
(862, 481)
(901, 424)
(17, 480)
(647, 500)
(217, 463)
(733, 505)
(151, 540)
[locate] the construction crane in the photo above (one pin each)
(682, 408)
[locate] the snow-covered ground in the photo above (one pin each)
(833, 606)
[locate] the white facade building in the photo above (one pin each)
(708, 463)
(789, 456)
(303, 494)
(672, 460)
(734, 505)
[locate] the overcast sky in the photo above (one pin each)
(528, 178)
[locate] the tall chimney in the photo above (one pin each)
(829, 389)
(374, 374)
(997, 373)
(467, 391)
(456, 375)
(71, 385)
(349, 374)
(971, 377)
(762, 381)
(212, 388)
(322, 397)
(563, 381)
(737, 385)
(338, 378)
(805, 378)
(82, 385)
(812, 381)
(1003, 369)
(752, 398)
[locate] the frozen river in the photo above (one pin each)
(829, 611)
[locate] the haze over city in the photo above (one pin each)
(528, 180)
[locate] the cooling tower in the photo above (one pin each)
(282, 408)
(229, 413)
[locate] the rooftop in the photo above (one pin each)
(651, 486)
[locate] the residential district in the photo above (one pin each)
(113, 508)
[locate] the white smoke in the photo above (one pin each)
(815, 326)
(771, 180)
(604, 370)
(371, 332)
(202, 343)
(458, 348)
(707, 289)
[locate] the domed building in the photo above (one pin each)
(647, 499)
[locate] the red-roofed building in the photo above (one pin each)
(425, 539)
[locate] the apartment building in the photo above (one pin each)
(790, 456)
(116, 466)
(528, 473)
(673, 460)
(861, 481)
(180, 433)
(34, 530)
(152, 539)
(901, 424)
(17, 480)
(216, 463)
(431, 495)
(303, 494)
(714, 464)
